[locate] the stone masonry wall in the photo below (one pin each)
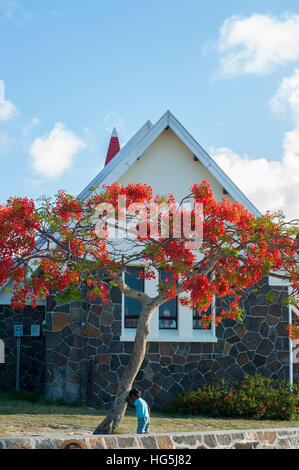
(31, 351)
(84, 357)
(241, 439)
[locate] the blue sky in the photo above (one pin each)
(72, 70)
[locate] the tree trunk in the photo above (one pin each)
(116, 414)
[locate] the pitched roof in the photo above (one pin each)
(146, 135)
(113, 148)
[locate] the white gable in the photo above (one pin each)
(169, 167)
(166, 160)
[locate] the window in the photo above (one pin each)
(171, 322)
(197, 324)
(168, 312)
(132, 307)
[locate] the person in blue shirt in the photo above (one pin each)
(135, 401)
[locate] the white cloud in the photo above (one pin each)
(54, 153)
(269, 185)
(14, 12)
(5, 143)
(28, 128)
(286, 99)
(7, 108)
(257, 44)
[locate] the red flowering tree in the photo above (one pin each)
(66, 243)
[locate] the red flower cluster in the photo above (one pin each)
(237, 248)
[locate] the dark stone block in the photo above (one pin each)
(272, 321)
(115, 362)
(234, 352)
(229, 332)
(252, 323)
(195, 348)
(272, 334)
(235, 372)
(196, 378)
(153, 348)
(220, 331)
(156, 367)
(264, 329)
(103, 349)
(259, 311)
(249, 368)
(219, 347)
(176, 368)
(282, 344)
(259, 360)
(225, 362)
(179, 359)
(117, 312)
(228, 323)
(252, 340)
(58, 359)
(207, 348)
(283, 357)
(158, 379)
(178, 377)
(265, 348)
(75, 354)
(115, 295)
(112, 377)
(265, 371)
(190, 366)
(282, 329)
(182, 349)
(205, 366)
(140, 375)
(53, 339)
(118, 347)
(275, 310)
(124, 359)
(105, 397)
(144, 384)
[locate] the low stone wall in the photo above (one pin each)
(286, 438)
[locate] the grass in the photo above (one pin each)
(24, 413)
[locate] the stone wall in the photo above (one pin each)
(247, 439)
(31, 352)
(84, 357)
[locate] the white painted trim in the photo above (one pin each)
(276, 281)
(39, 302)
(168, 338)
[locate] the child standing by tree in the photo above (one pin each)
(135, 401)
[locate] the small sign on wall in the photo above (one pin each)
(2, 352)
(35, 330)
(18, 330)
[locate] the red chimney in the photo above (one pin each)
(113, 148)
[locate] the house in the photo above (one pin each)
(84, 346)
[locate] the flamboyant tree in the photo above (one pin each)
(66, 243)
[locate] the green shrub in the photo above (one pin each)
(255, 397)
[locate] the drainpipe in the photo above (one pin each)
(290, 343)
